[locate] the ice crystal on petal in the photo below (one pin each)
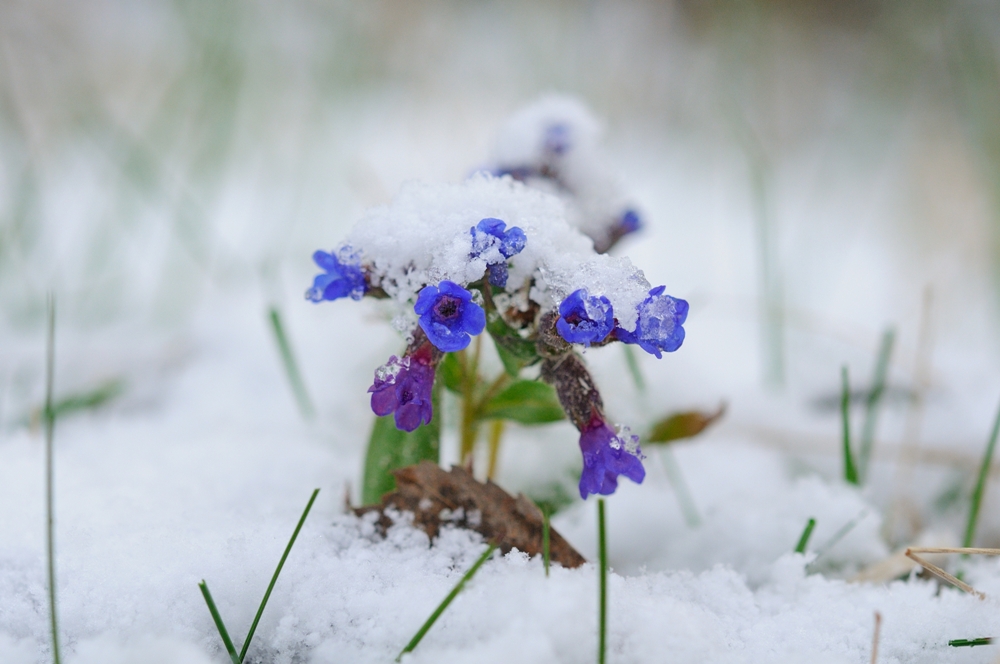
(659, 327)
(342, 277)
(607, 455)
(585, 319)
(492, 243)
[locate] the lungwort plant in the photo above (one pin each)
(491, 257)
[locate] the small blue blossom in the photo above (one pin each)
(659, 328)
(403, 386)
(557, 139)
(629, 222)
(585, 319)
(606, 455)
(343, 278)
(448, 315)
(490, 233)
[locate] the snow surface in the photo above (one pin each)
(207, 482)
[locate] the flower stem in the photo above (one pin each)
(602, 546)
(496, 433)
(469, 420)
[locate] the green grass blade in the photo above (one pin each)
(277, 571)
(806, 534)
(850, 470)
(633, 368)
(291, 367)
(546, 555)
(960, 643)
(447, 600)
(50, 423)
(230, 648)
(680, 487)
(837, 536)
(602, 548)
(980, 490)
(873, 401)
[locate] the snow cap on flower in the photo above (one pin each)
(342, 277)
(585, 319)
(606, 455)
(448, 316)
(659, 327)
(423, 238)
(403, 386)
(492, 243)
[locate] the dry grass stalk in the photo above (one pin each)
(878, 631)
(913, 552)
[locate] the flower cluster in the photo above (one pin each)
(450, 270)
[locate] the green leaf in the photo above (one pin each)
(525, 401)
(683, 425)
(390, 449)
(451, 371)
(515, 351)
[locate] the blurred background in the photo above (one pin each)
(811, 173)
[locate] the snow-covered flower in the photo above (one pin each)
(403, 386)
(490, 238)
(342, 277)
(606, 455)
(584, 318)
(448, 316)
(660, 323)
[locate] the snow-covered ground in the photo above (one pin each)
(165, 256)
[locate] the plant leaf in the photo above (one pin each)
(683, 425)
(451, 372)
(515, 351)
(525, 401)
(390, 449)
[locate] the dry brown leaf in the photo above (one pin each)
(437, 497)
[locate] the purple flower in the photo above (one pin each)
(659, 327)
(606, 455)
(448, 315)
(629, 222)
(585, 319)
(489, 234)
(403, 386)
(341, 279)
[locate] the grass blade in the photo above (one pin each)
(806, 534)
(873, 401)
(850, 470)
(633, 368)
(837, 536)
(602, 547)
(981, 641)
(291, 367)
(50, 423)
(447, 600)
(980, 490)
(680, 487)
(230, 648)
(546, 557)
(277, 571)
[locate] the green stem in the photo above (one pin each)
(447, 600)
(496, 434)
(602, 547)
(291, 367)
(633, 368)
(546, 555)
(680, 488)
(469, 423)
(850, 472)
(873, 401)
(806, 534)
(277, 571)
(50, 423)
(219, 625)
(980, 490)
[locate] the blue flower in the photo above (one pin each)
(659, 327)
(584, 319)
(607, 455)
(341, 279)
(448, 315)
(404, 387)
(629, 222)
(557, 139)
(489, 234)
